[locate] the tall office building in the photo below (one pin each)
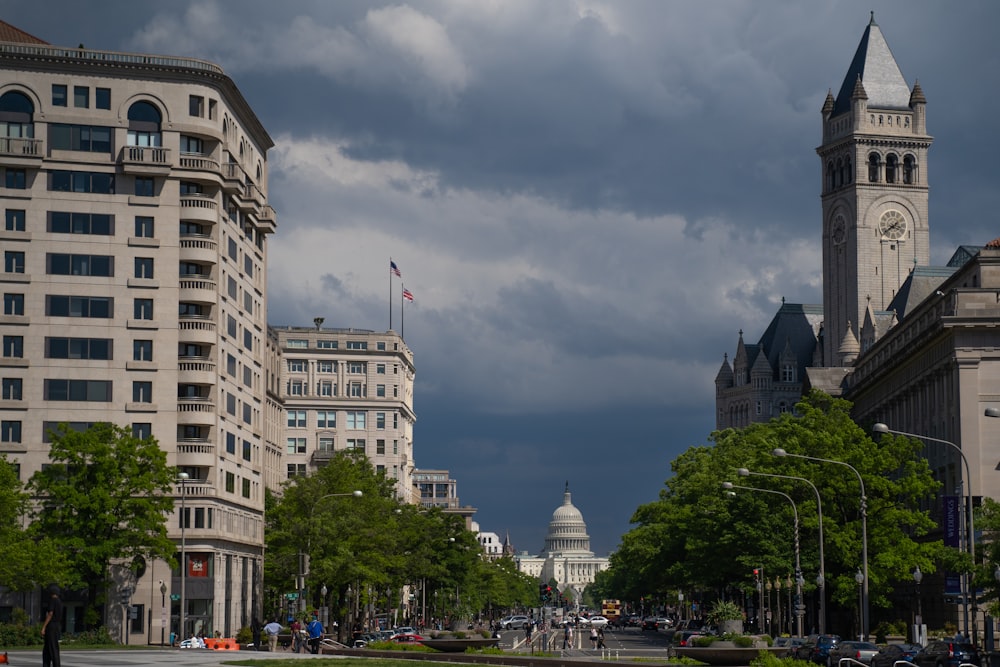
(134, 192)
(346, 389)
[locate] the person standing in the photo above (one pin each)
(52, 629)
(593, 637)
(255, 627)
(271, 630)
(296, 630)
(567, 636)
(315, 629)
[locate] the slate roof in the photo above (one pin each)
(797, 324)
(876, 67)
(920, 284)
(9, 33)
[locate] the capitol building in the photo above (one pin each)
(567, 557)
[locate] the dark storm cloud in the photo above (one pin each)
(588, 200)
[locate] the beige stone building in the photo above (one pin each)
(346, 389)
(136, 222)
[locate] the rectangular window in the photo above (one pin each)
(199, 517)
(231, 365)
(355, 368)
(192, 145)
(248, 265)
(395, 447)
(297, 344)
(296, 419)
(60, 264)
(13, 261)
(380, 369)
(324, 388)
(231, 326)
(247, 413)
(356, 445)
(142, 309)
(395, 391)
(230, 482)
(196, 106)
(81, 97)
(143, 267)
(246, 487)
(145, 186)
(99, 224)
(380, 447)
(142, 350)
(296, 388)
(247, 376)
(13, 304)
(380, 390)
(231, 287)
(326, 419)
(12, 389)
(247, 450)
(10, 431)
(78, 348)
(144, 226)
(356, 390)
(13, 347)
(380, 420)
(248, 303)
(380, 346)
(357, 345)
(87, 138)
(142, 392)
(296, 366)
(395, 420)
(142, 431)
(231, 443)
(79, 306)
(296, 470)
(78, 390)
(248, 340)
(102, 98)
(14, 220)
(296, 445)
(233, 250)
(326, 344)
(59, 95)
(325, 445)
(15, 179)
(192, 269)
(82, 181)
(356, 419)
(231, 404)
(325, 366)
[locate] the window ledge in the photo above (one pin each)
(14, 236)
(7, 277)
(23, 320)
(143, 242)
(148, 283)
(141, 407)
(141, 324)
(141, 366)
(13, 405)
(135, 200)
(13, 362)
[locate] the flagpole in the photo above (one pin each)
(390, 294)
(402, 312)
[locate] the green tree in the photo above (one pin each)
(694, 536)
(103, 499)
(25, 562)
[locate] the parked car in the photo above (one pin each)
(947, 654)
(791, 644)
(892, 653)
(686, 637)
(633, 621)
(515, 622)
(407, 638)
(817, 648)
(863, 652)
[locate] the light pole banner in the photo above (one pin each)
(952, 518)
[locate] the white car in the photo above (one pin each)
(598, 621)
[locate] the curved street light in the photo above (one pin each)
(779, 452)
(821, 577)
(799, 612)
(969, 591)
(182, 479)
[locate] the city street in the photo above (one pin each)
(151, 657)
(624, 644)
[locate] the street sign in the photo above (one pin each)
(291, 596)
(175, 596)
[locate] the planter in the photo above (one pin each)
(720, 654)
(731, 627)
(458, 645)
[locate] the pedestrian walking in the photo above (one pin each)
(600, 638)
(593, 637)
(568, 636)
(315, 631)
(52, 629)
(255, 628)
(271, 630)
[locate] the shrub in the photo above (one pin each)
(724, 610)
(702, 642)
(743, 641)
(244, 636)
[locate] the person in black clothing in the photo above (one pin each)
(52, 629)
(255, 627)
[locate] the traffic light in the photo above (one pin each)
(756, 575)
(542, 589)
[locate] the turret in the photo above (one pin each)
(918, 103)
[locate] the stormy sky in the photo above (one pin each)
(587, 199)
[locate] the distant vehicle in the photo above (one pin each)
(515, 622)
(598, 621)
(891, 654)
(633, 621)
(817, 648)
(612, 610)
(407, 638)
(686, 637)
(404, 630)
(791, 644)
(947, 654)
(863, 652)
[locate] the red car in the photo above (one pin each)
(407, 638)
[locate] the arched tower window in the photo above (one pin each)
(874, 167)
(891, 168)
(909, 169)
(16, 116)
(144, 125)
(848, 171)
(831, 176)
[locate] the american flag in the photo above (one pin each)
(407, 294)
(394, 268)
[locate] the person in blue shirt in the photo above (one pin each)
(315, 630)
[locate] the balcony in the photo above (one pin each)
(196, 370)
(267, 221)
(232, 178)
(191, 453)
(196, 330)
(199, 249)
(145, 160)
(21, 152)
(198, 162)
(197, 290)
(200, 208)
(321, 457)
(192, 411)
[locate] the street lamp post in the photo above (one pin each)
(163, 608)
(821, 577)
(860, 578)
(303, 565)
(799, 610)
(969, 590)
(918, 576)
(779, 452)
(183, 479)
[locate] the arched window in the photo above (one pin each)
(144, 125)
(16, 116)
(831, 175)
(909, 167)
(848, 171)
(891, 168)
(874, 166)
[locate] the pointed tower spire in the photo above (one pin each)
(874, 64)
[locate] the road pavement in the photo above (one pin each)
(152, 658)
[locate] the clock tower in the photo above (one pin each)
(874, 193)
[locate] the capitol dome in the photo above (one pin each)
(567, 530)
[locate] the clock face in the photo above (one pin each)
(892, 225)
(839, 232)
